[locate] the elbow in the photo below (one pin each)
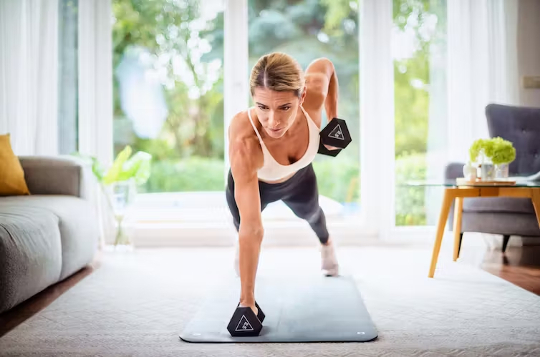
(328, 66)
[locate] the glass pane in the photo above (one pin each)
(307, 30)
(68, 76)
(419, 52)
(168, 96)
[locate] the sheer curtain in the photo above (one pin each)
(95, 79)
(96, 95)
(29, 75)
(481, 68)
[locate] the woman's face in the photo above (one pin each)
(276, 110)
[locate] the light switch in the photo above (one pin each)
(531, 82)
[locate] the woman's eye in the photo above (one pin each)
(286, 108)
(261, 108)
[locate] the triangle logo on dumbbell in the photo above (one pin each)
(244, 325)
(337, 133)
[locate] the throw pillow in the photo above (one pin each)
(12, 182)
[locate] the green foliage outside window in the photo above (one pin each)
(188, 152)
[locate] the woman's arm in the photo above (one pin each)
(245, 158)
(322, 86)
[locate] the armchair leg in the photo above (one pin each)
(506, 238)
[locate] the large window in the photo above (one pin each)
(419, 52)
(307, 30)
(168, 97)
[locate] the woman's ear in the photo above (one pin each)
(303, 95)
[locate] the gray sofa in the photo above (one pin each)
(502, 215)
(49, 235)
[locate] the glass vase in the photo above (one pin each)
(487, 172)
(501, 171)
(122, 197)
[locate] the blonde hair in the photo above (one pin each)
(277, 71)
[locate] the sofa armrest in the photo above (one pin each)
(58, 175)
(453, 170)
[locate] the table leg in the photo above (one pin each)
(445, 209)
(458, 209)
(536, 203)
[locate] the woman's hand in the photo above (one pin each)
(330, 147)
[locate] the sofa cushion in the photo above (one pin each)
(77, 223)
(12, 180)
(498, 204)
(30, 252)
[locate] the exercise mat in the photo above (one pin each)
(300, 309)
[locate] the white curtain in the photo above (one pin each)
(96, 96)
(482, 67)
(476, 66)
(29, 75)
(96, 79)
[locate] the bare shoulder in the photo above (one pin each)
(245, 153)
(317, 75)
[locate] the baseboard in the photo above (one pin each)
(219, 234)
(298, 233)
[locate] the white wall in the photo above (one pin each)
(529, 49)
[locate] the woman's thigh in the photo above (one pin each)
(303, 199)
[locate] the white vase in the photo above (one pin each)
(469, 172)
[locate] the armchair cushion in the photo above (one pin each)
(521, 126)
(498, 204)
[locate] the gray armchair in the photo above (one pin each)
(502, 215)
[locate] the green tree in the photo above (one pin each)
(171, 32)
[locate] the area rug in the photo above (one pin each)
(136, 304)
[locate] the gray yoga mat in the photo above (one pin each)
(301, 309)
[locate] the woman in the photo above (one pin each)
(271, 150)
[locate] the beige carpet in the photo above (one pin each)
(136, 304)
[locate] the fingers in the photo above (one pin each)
(330, 147)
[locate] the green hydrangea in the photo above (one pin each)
(498, 150)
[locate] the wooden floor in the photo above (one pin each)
(518, 265)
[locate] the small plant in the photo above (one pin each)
(125, 168)
(497, 150)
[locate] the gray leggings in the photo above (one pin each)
(299, 193)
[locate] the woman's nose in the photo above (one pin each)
(273, 120)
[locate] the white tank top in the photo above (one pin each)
(273, 170)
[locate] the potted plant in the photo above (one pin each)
(118, 185)
(492, 156)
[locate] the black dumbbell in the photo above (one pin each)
(336, 134)
(245, 323)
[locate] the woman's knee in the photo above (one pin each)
(313, 214)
